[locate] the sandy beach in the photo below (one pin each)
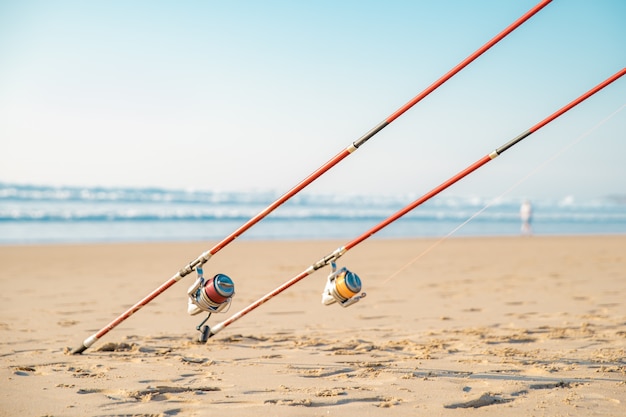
(519, 326)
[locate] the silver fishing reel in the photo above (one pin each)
(211, 296)
(342, 287)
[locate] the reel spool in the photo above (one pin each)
(211, 296)
(342, 287)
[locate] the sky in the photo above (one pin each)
(256, 95)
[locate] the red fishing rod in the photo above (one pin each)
(343, 286)
(204, 257)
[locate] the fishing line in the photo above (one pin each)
(507, 191)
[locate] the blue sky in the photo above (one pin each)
(255, 95)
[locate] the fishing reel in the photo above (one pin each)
(211, 296)
(342, 287)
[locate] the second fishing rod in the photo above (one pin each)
(343, 286)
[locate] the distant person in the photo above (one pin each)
(526, 214)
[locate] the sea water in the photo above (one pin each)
(41, 214)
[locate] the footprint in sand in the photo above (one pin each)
(484, 400)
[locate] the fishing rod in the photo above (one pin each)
(196, 299)
(343, 286)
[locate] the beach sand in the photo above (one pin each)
(520, 326)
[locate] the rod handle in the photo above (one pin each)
(79, 350)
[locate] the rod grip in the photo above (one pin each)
(79, 350)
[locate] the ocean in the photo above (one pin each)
(32, 214)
